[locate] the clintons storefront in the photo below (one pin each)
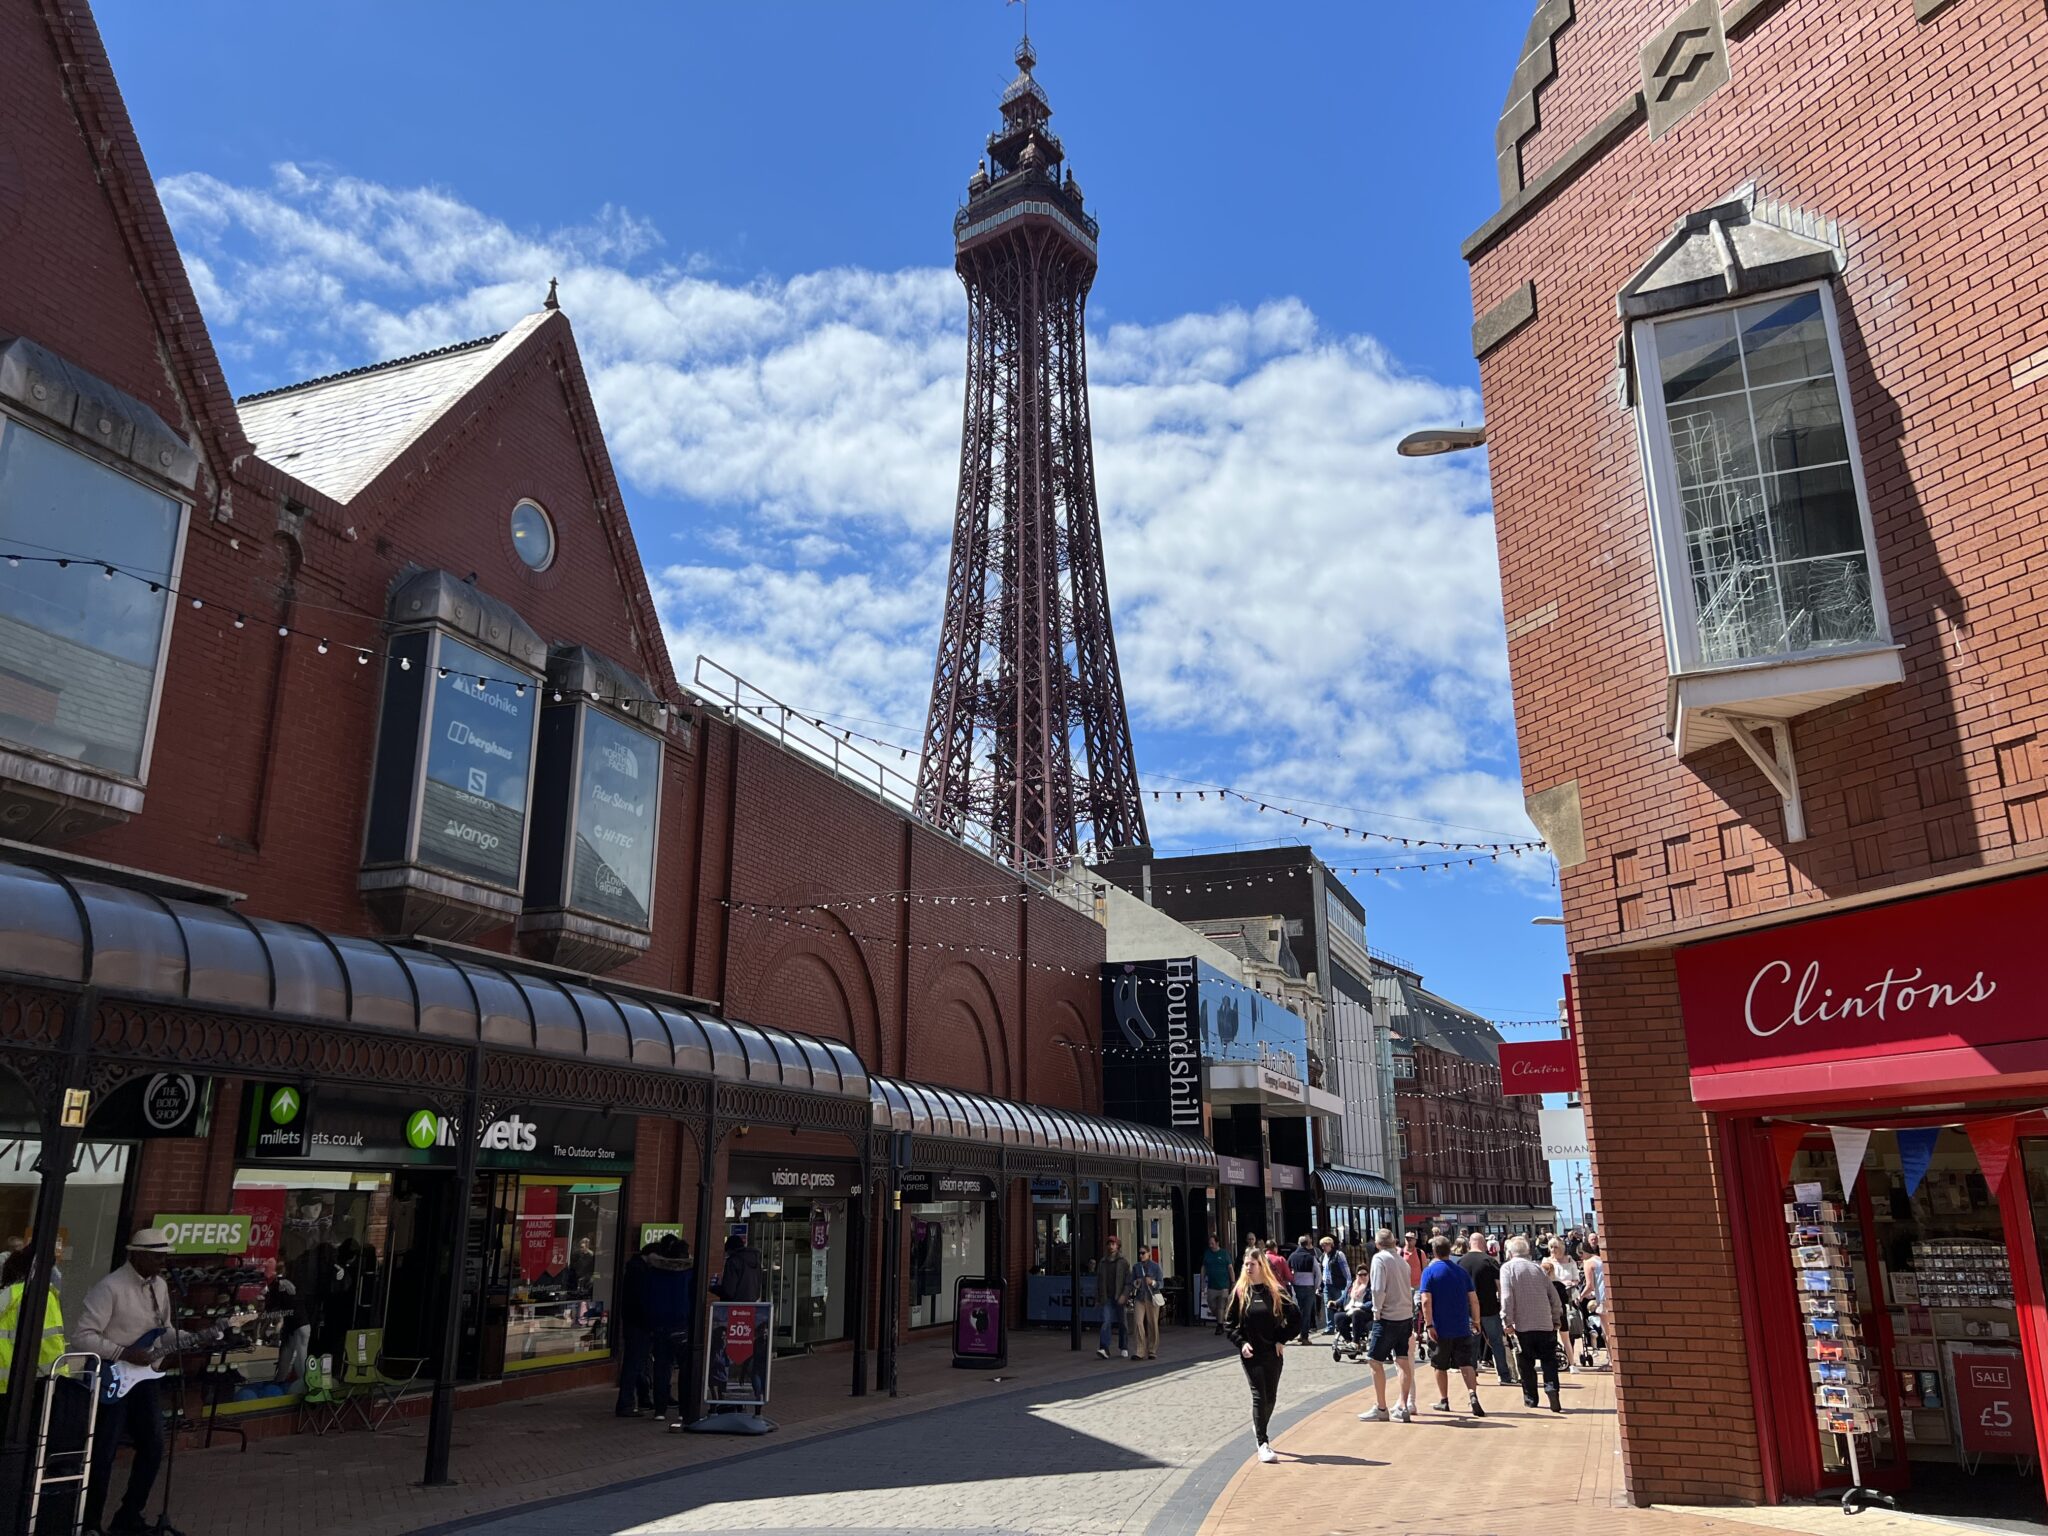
(1879, 1080)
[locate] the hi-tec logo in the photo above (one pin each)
(460, 733)
(424, 1129)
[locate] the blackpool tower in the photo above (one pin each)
(1027, 735)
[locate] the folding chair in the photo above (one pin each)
(320, 1409)
(367, 1383)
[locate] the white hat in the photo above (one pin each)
(151, 1240)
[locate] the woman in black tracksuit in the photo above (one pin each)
(1260, 1319)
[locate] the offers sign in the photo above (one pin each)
(1906, 994)
(1539, 1066)
(1991, 1402)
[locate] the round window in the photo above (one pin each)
(533, 535)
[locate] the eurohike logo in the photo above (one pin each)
(425, 1129)
(284, 1106)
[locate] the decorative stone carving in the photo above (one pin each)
(1684, 64)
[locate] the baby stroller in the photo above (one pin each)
(1587, 1335)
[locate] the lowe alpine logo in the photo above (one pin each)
(425, 1129)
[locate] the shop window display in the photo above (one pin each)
(1905, 1292)
(948, 1240)
(87, 1242)
(802, 1243)
(317, 1265)
(560, 1257)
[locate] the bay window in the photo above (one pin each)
(81, 651)
(1763, 531)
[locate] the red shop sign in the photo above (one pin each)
(1937, 990)
(1991, 1403)
(1539, 1066)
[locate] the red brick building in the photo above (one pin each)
(374, 658)
(1765, 361)
(1471, 1156)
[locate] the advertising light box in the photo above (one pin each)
(597, 816)
(454, 762)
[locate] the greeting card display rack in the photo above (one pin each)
(1824, 1246)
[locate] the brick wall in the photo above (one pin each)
(1468, 1143)
(1925, 141)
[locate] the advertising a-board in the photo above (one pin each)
(742, 1347)
(979, 1336)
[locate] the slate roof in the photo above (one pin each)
(339, 432)
(1420, 1017)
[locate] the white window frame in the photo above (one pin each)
(1667, 506)
(182, 501)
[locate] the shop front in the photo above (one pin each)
(1879, 1081)
(797, 1212)
(349, 1191)
(952, 1229)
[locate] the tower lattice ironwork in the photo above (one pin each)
(1027, 735)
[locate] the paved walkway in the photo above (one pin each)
(1059, 1443)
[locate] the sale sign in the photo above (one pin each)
(742, 1345)
(1991, 1402)
(1539, 1066)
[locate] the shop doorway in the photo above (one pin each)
(1914, 1318)
(803, 1255)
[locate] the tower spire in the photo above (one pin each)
(1027, 735)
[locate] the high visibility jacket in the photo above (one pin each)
(53, 1332)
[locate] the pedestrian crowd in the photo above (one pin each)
(1528, 1311)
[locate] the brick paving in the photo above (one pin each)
(1061, 1443)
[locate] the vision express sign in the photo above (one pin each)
(293, 1122)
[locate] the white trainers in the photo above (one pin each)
(1401, 1413)
(1125, 1353)
(1267, 1453)
(1102, 1354)
(1376, 1416)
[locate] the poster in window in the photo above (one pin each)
(617, 796)
(479, 757)
(736, 1364)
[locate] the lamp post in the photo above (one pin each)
(1429, 442)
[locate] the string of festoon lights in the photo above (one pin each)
(324, 644)
(1218, 793)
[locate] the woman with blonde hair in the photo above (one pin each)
(1260, 1319)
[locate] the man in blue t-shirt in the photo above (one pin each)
(1450, 1321)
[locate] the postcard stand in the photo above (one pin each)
(1843, 1379)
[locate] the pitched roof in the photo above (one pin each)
(338, 432)
(1421, 1017)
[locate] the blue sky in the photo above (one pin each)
(750, 209)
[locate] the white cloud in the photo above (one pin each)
(1295, 605)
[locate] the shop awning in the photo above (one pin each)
(925, 1110)
(1354, 1186)
(60, 927)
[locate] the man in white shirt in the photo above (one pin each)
(1393, 1325)
(126, 1319)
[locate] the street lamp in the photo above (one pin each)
(1431, 441)
(1547, 920)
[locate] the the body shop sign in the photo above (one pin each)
(1913, 994)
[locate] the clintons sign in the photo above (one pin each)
(1539, 1066)
(1937, 990)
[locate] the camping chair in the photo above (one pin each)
(367, 1383)
(320, 1409)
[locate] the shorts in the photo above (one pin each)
(1388, 1340)
(1454, 1354)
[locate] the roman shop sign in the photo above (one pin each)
(1539, 1066)
(1564, 1135)
(1937, 989)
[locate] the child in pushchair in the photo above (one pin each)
(1354, 1322)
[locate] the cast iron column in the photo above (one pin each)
(708, 1262)
(53, 1160)
(863, 1257)
(1074, 1259)
(441, 1414)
